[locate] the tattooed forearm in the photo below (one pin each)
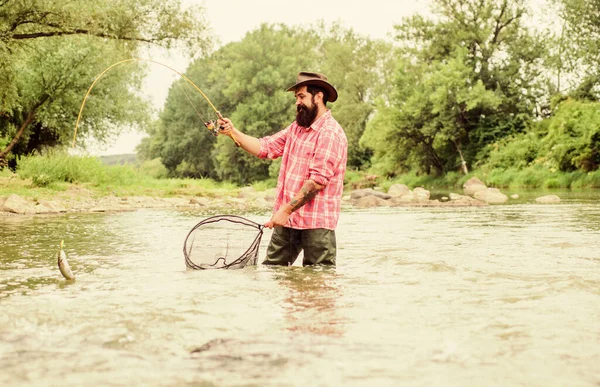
(308, 191)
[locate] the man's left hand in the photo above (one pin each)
(280, 218)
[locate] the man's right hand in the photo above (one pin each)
(248, 143)
(225, 126)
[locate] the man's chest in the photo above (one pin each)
(303, 143)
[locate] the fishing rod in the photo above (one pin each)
(211, 125)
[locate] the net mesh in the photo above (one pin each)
(222, 242)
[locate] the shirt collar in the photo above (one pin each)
(320, 122)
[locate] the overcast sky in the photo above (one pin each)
(230, 20)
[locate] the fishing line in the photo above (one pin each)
(191, 103)
(211, 125)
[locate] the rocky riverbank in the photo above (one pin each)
(79, 200)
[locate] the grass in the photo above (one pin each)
(43, 177)
(10, 183)
(538, 177)
(530, 178)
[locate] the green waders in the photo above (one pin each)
(286, 243)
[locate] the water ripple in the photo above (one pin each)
(502, 295)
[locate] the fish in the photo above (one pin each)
(63, 264)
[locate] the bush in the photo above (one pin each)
(502, 178)
(593, 179)
(559, 180)
(264, 185)
(59, 167)
(531, 178)
(587, 180)
(56, 167)
(154, 168)
(573, 140)
(516, 152)
(41, 180)
(412, 180)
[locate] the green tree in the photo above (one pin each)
(51, 50)
(567, 141)
(578, 50)
(465, 80)
(361, 68)
(247, 81)
(431, 120)
(179, 138)
(257, 71)
(573, 139)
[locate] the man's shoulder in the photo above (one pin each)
(332, 125)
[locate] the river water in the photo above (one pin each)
(503, 295)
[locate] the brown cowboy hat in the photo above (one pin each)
(306, 78)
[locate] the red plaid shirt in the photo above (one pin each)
(318, 152)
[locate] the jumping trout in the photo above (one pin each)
(63, 264)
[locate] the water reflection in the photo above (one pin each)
(311, 300)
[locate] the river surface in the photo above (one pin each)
(505, 295)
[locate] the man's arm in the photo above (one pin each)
(248, 143)
(308, 191)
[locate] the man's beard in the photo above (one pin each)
(306, 115)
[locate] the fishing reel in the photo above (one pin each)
(212, 127)
(215, 129)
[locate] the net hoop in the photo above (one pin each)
(250, 256)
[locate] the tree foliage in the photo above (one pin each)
(465, 80)
(568, 141)
(578, 50)
(573, 139)
(473, 86)
(50, 52)
(361, 68)
(247, 81)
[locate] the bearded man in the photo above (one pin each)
(314, 153)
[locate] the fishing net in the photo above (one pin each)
(222, 242)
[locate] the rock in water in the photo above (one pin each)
(63, 264)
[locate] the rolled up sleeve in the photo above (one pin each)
(272, 146)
